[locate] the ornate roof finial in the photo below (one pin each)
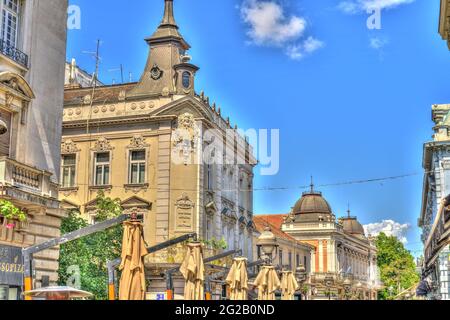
(312, 184)
(168, 19)
(349, 211)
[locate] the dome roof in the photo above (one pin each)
(312, 202)
(352, 226)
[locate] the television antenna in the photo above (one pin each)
(96, 56)
(118, 69)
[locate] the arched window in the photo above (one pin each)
(186, 80)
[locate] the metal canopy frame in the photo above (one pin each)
(169, 273)
(75, 235)
(113, 264)
(223, 273)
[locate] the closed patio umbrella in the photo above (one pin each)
(193, 271)
(289, 285)
(238, 279)
(132, 281)
(267, 283)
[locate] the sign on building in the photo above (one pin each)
(11, 266)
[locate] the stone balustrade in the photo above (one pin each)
(26, 178)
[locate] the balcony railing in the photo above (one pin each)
(26, 178)
(13, 53)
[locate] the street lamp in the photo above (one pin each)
(347, 288)
(267, 245)
(301, 275)
(329, 282)
(3, 127)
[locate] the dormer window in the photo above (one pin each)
(186, 80)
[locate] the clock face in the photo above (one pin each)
(156, 73)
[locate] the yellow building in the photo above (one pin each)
(161, 148)
(32, 56)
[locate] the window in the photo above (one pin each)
(68, 170)
(290, 260)
(209, 229)
(298, 260)
(281, 258)
(209, 177)
(10, 21)
(137, 167)
(186, 80)
(102, 169)
(305, 260)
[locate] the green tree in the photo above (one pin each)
(396, 265)
(91, 253)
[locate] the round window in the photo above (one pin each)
(186, 80)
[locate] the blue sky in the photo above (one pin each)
(351, 103)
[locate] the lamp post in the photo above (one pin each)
(347, 288)
(329, 282)
(267, 245)
(301, 275)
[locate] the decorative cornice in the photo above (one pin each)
(138, 142)
(69, 147)
(102, 145)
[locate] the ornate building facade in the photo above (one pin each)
(444, 21)
(162, 148)
(435, 218)
(32, 57)
(291, 253)
(344, 260)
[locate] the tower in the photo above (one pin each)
(168, 70)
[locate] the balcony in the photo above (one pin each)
(439, 237)
(13, 53)
(26, 184)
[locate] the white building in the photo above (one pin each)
(434, 218)
(32, 57)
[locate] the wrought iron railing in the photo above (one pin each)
(13, 53)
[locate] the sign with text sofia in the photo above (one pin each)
(11, 266)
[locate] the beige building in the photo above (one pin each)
(343, 261)
(291, 253)
(343, 254)
(32, 56)
(162, 148)
(75, 77)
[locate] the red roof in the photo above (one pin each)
(274, 222)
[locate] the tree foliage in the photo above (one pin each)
(90, 254)
(396, 265)
(9, 211)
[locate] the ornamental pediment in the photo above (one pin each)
(186, 105)
(17, 84)
(136, 202)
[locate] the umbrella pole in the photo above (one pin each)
(208, 294)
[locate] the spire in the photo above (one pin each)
(348, 211)
(168, 19)
(168, 29)
(312, 184)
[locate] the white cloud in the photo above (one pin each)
(378, 43)
(308, 46)
(390, 228)
(356, 6)
(269, 26)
